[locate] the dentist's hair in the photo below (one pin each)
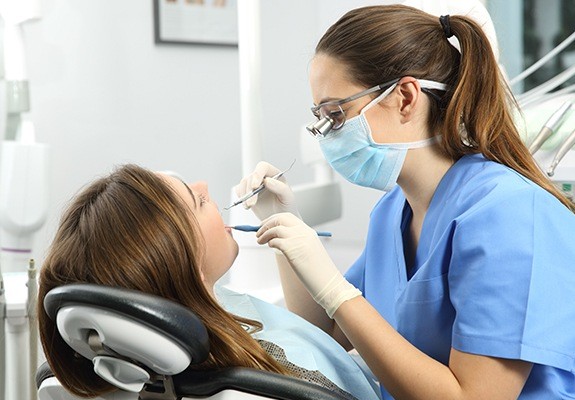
(381, 43)
(130, 229)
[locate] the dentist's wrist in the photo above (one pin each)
(337, 291)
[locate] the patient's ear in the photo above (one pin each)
(208, 285)
(202, 276)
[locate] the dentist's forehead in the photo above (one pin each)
(330, 80)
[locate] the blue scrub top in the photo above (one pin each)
(494, 273)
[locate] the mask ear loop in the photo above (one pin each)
(423, 83)
(378, 98)
(412, 145)
(426, 84)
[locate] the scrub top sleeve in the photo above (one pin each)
(512, 280)
(356, 273)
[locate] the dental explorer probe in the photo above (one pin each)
(255, 228)
(550, 126)
(564, 149)
(258, 189)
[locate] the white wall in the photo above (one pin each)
(104, 94)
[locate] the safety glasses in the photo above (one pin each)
(330, 116)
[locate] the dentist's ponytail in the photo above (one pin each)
(475, 115)
(479, 100)
(478, 118)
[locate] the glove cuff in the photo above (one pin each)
(335, 293)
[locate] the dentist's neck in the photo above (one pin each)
(423, 170)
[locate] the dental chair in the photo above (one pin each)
(144, 345)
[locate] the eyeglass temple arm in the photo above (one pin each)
(355, 96)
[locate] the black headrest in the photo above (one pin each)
(171, 319)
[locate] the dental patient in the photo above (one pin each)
(151, 232)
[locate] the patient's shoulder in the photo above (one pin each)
(303, 343)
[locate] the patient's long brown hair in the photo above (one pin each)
(131, 230)
(381, 43)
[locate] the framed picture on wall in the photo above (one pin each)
(210, 22)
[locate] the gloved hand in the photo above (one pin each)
(309, 259)
(277, 196)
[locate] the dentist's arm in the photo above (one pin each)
(299, 301)
(405, 371)
(408, 373)
(278, 197)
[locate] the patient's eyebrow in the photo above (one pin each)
(191, 193)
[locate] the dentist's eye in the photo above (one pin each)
(335, 114)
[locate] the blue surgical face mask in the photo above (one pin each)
(351, 151)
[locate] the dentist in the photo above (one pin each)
(465, 287)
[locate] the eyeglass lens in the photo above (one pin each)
(334, 112)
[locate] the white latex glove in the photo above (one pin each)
(277, 196)
(309, 259)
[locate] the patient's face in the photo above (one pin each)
(221, 248)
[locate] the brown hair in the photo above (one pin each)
(381, 43)
(131, 230)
